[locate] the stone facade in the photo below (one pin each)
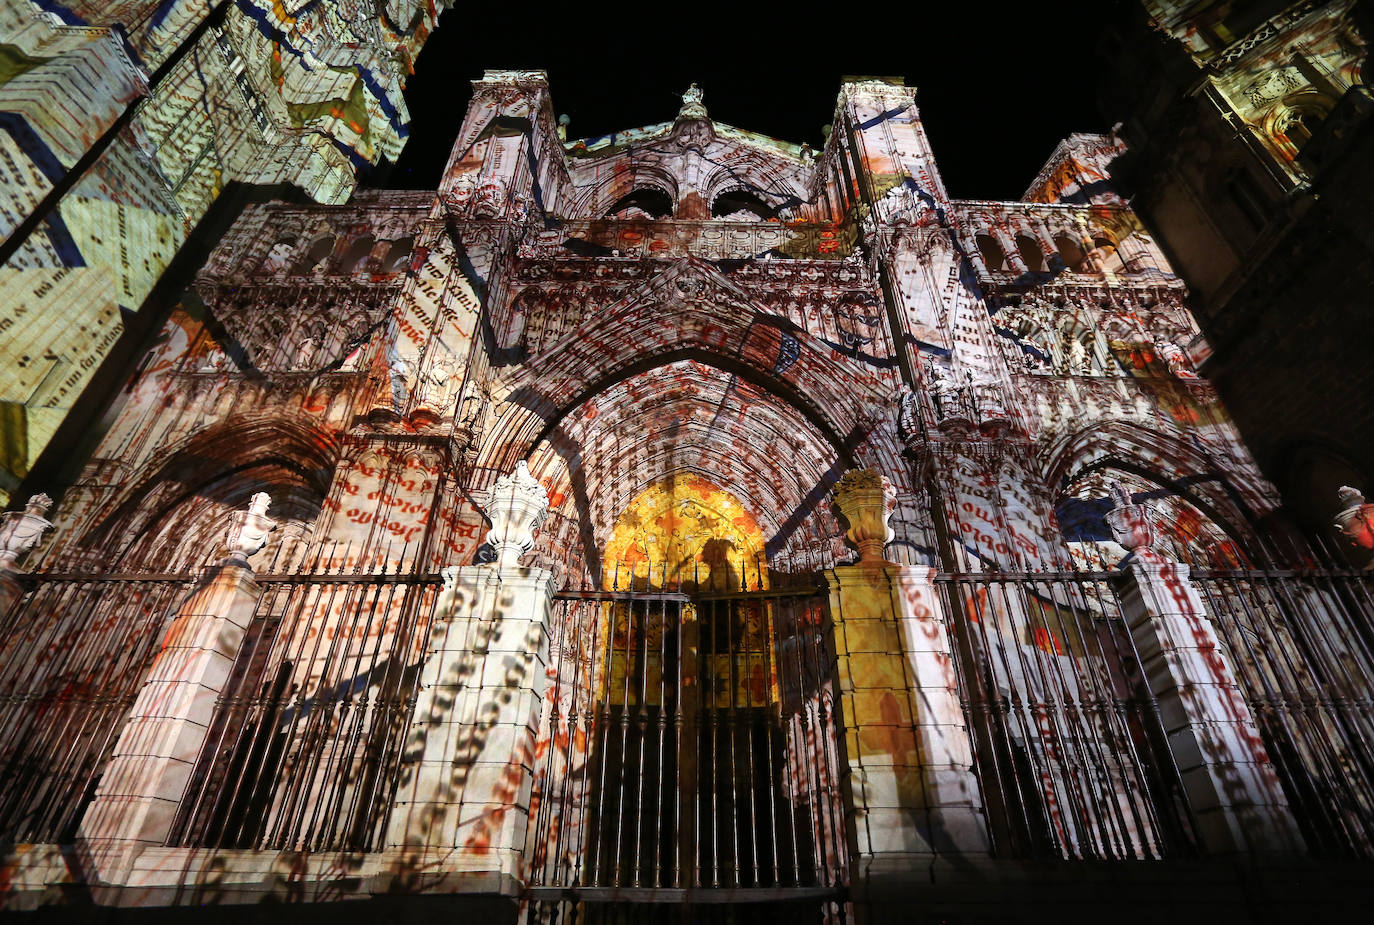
(952, 460)
(123, 125)
(1248, 131)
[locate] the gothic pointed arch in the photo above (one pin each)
(1207, 511)
(691, 311)
(175, 515)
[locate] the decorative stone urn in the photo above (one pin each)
(516, 506)
(865, 498)
(1356, 519)
(21, 531)
(1132, 524)
(249, 529)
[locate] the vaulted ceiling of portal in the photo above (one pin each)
(686, 417)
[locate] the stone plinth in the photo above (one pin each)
(463, 802)
(909, 775)
(1231, 786)
(143, 785)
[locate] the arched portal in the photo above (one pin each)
(700, 739)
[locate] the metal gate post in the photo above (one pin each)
(1231, 786)
(910, 776)
(465, 807)
(141, 789)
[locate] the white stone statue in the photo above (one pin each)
(249, 529)
(692, 107)
(21, 531)
(1356, 519)
(1175, 359)
(1132, 524)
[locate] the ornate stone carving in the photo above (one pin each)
(516, 506)
(1356, 519)
(249, 529)
(21, 531)
(865, 497)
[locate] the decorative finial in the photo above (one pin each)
(864, 497)
(517, 506)
(692, 107)
(248, 530)
(21, 531)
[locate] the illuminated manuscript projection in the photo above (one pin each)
(680, 509)
(121, 123)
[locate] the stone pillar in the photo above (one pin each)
(1007, 241)
(464, 804)
(20, 532)
(1230, 784)
(142, 787)
(909, 775)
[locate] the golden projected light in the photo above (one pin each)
(685, 532)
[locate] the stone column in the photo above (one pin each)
(909, 774)
(142, 787)
(1230, 784)
(464, 804)
(1007, 241)
(20, 532)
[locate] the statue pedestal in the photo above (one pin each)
(463, 801)
(142, 787)
(909, 772)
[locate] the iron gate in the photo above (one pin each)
(688, 754)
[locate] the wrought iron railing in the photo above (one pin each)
(305, 751)
(1302, 645)
(690, 737)
(74, 653)
(689, 743)
(1067, 739)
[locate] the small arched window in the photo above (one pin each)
(993, 255)
(1030, 253)
(741, 205)
(356, 259)
(397, 256)
(645, 202)
(1070, 252)
(316, 258)
(1295, 121)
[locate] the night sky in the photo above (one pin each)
(998, 85)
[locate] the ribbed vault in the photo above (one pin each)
(685, 417)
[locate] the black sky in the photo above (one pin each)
(998, 85)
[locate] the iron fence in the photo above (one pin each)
(1067, 740)
(689, 743)
(305, 751)
(74, 653)
(1302, 646)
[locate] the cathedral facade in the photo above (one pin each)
(676, 522)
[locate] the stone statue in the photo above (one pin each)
(21, 531)
(692, 107)
(1175, 359)
(249, 529)
(1356, 519)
